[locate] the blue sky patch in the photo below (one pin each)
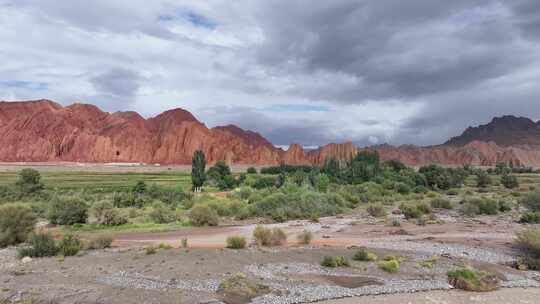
(194, 18)
(21, 84)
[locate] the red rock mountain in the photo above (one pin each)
(44, 131)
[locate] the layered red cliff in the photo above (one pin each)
(43, 131)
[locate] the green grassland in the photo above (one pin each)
(104, 180)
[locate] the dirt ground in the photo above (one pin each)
(126, 274)
(504, 296)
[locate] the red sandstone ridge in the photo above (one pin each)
(42, 130)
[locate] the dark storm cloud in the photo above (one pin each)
(415, 71)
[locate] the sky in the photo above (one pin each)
(308, 72)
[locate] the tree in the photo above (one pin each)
(251, 170)
(198, 167)
(502, 168)
(220, 175)
(140, 187)
(29, 181)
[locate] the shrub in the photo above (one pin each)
(161, 214)
(305, 237)
(530, 217)
(509, 181)
(279, 237)
(376, 210)
(140, 187)
(402, 188)
(236, 242)
(184, 243)
(364, 256)
(429, 263)
(529, 240)
(262, 236)
(69, 245)
(202, 215)
(41, 244)
(329, 262)
(472, 280)
(164, 246)
(332, 262)
(239, 286)
(29, 181)
(266, 237)
(483, 179)
(16, 222)
(440, 203)
(478, 206)
(150, 250)
(67, 211)
(99, 242)
(420, 189)
(531, 201)
(106, 214)
(251, 170)
(390, 266)
(410, 211)
(423, 208)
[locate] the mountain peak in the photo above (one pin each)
(507, 130)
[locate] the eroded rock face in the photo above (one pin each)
(42, 130)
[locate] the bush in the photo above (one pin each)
(376, 210)
(40, 245)
(251, 170)
(29, 181)
(150, 250)
(364, 256)
(161, 214)
(483, 179)
(106, 214)
(477, 206)
(423, 208)
(472, 280)
(140, 187)
(530, 218)
(531, 201)
(529, 240)
(279, 237)
(69, 245)
(99, 242)
(420, 189)
(16, 222)
(236, 242)
(440, 203)
(266, 237)
(332, 262)
(67, 211)
(402, 188)
(509, 181)
(305, 237)
(202, 215)
(239, 286)
(390, 265)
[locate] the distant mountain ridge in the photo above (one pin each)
(505, 131)
(45, 131)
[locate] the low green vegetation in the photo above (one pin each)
(305, 237)
(269, 237)
(236, 242)
(333, 262)
(390, 264)
(108, 202)
(40, 244)
(472, 280)
(364, 255)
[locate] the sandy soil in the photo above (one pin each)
(504, 296)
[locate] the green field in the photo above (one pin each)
(105, 180)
